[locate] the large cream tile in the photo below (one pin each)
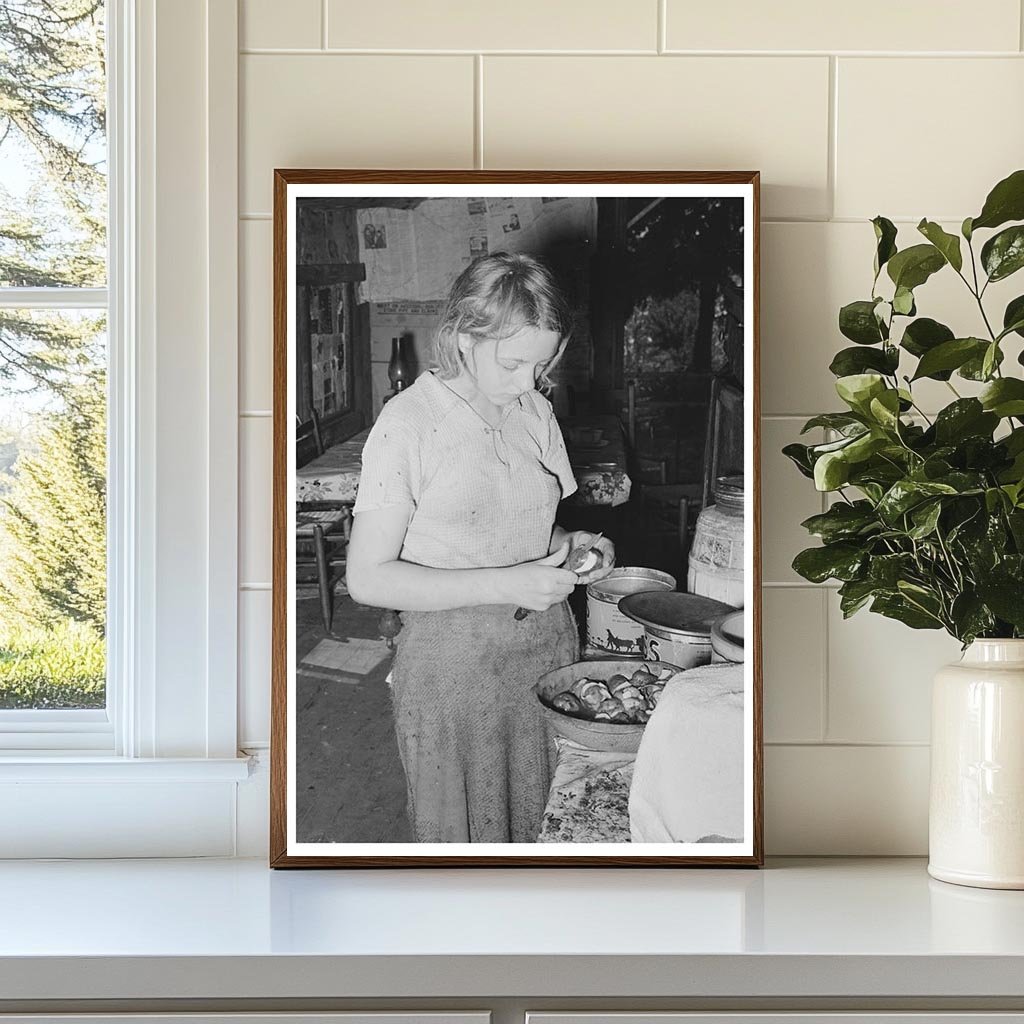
(351, 111)
(254, 611)
(255, 510)
(787, 499)
(679, 113)
(846, 801)
(808, 272)
(962, 130)
(793, 635)
(255, 316)
(465, 25)
(869, 25)
(880, 676)
(272, 25)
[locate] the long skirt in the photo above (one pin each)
(470, 731)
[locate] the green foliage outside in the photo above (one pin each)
(52, 380)
(927, 525)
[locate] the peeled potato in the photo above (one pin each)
(591, 560)
(583, 558)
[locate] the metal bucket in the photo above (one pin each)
(607, 628)
(677, 627)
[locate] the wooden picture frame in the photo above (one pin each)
(613, 205)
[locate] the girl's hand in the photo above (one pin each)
(540, 584)
(604, 549)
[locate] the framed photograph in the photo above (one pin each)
(516, 553)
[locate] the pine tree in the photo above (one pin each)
(53, 234)
(52, 119)
(53, 520)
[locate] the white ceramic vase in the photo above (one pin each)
(976, 812)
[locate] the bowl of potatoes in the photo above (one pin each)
(603, 705)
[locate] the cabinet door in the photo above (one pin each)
(790, 1017)
(360, 1017)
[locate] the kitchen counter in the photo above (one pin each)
(146, 932)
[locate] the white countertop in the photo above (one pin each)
(234, 928)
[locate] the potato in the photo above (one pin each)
(641, 676)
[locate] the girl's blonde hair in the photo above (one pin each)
(495, 297)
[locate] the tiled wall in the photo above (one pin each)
(906, 109)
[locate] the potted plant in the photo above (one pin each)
(926, 521)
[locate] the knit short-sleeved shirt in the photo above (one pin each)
(480, 496)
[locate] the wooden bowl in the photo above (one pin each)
(617, 736)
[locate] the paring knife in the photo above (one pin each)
(521, 613)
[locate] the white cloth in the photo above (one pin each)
(689, 772)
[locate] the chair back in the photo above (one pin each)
(724, 440)
(309, 442)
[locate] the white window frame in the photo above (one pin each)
(157, 772)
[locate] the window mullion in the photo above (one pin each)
(53, 298)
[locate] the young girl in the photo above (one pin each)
(455, 527)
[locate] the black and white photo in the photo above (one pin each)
(516, 614)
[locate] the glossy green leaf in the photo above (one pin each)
(857, 322)
(1005, 202)
(849, 361)
(1004, 397)
(885, 237)
(854, 594)
(858, 389)
(842, 521)
(950, 355)
(966, 229)
(925, 518)
(900, 608)
(990, 360)
(1003, 254)
(840, 561)
(1006, 599)
(885, 571)
(923, 335)
(841, 421)
(964, 418)
(885, 409)
(971, 616)
(974, 368)
(913, 266)
(904, 495)
(799, 455)
(1013, 317)
(831, 471)
(947, 244)
(903, 302)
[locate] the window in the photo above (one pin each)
(154, 766)
(53, 368)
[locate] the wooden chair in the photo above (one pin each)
(322, 531)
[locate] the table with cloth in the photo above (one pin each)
(333, 476)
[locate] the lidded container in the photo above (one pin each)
(716, 555)
(607, 628)
(677, 627)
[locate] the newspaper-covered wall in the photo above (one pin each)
(417, 254)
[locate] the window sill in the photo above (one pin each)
(76, 766)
